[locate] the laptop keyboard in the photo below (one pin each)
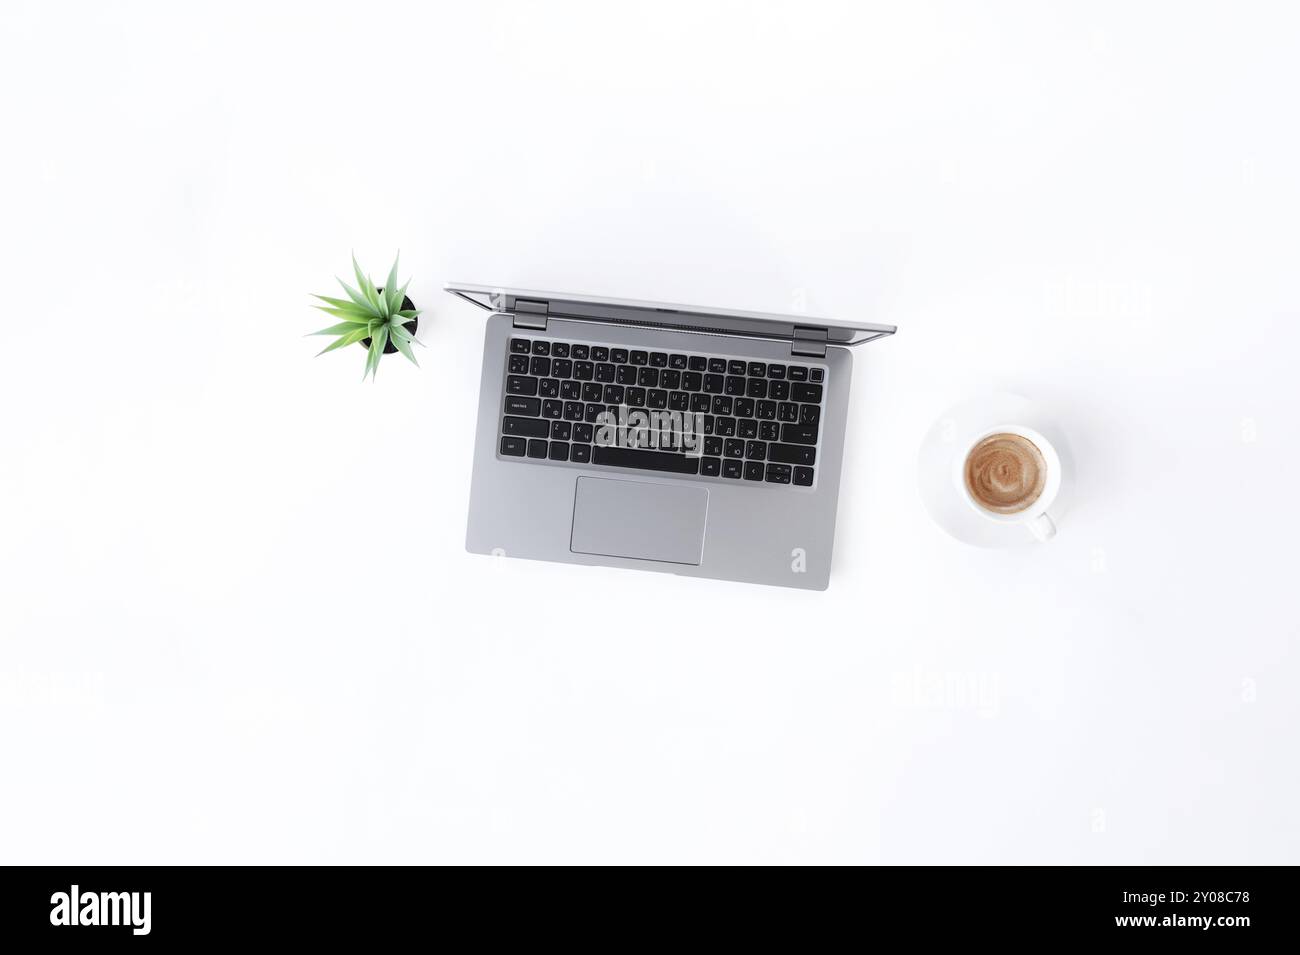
(760, 421)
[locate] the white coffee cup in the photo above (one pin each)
(1035, 517)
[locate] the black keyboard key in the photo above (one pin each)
(605, 373)
(570, 390)
(580, 453)
(697, 363)
(692, 381)
(757, 388)
(713, 384)
(530, 407)
(592, 413)
(753, 470)
(736, 367)
(700, 404)
(516, 385)
(518, 364)
(656, 399)
(721, 404)
(583, 432)
(670, 378)
(756, 450)
(815, 375)
(572, 411)
(592, 392)
(679, 401)
(744, 408)
(746, 428)
(618, 356)
(626, 375)
(540, 368)
(735, 386)
(803, 477)
(581, 353)
(548, 388)
(561, 367)
(787, 411)
(777, 474)
(791, 454)
(658, 359)
(709, 467)
(552, 409)
(731, 468)
(776, 371)
(519, 346)
(810, 414)
(713, 446)
(541, 348)
(648, 378)
(599, 353)
(725, 427)
(635, 397)
(778, 390)
(515, 447)
(560, 349)
(613, 394)
(799, 433)
(734, 448)
(797, 373)
(536, 448)
(756, 369)
(718, 366)
(559, 451)
(646, 460)
(561, 430)
(810, 394)
(584, 370)
(769, 431)
(677, 361)
(765, 410)
(639, 358)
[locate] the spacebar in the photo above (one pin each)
(645, 460)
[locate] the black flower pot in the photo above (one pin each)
(411, 326)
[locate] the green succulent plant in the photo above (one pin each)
(370, 312)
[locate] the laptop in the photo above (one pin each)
(705, 442)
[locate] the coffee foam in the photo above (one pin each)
(1005, 473)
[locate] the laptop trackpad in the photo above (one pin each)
(615, 518)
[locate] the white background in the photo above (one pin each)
(237, 619)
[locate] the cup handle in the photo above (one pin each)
(1042, 527)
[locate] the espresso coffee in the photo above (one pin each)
(1005, 473)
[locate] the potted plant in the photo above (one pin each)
(379, 318)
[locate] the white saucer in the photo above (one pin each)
(952, 434)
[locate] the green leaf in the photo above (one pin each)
(410, 313)
(391, 291)
(357, 297)
(342, 328)
(399, 333)
(377, 343)
(348, 339)
(367, 287)
(404, 347)
(347, 316)
(342, 303)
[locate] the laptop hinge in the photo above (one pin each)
(809, 342)
(530, 314)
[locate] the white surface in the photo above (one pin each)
(237, 620)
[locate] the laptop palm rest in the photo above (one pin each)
(613, 518)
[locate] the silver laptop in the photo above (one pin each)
(696, 441)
